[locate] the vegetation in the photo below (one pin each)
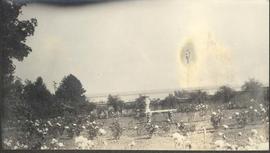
(12, 41)
(116, 103)
(224, 94)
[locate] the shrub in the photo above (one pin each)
(216, 119)
(116, 130)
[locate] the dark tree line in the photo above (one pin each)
(34, 100)
(251, 89)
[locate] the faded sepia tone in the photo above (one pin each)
(144, 74)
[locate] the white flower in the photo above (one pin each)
(236, 113)
(17, 143)
(7, 142)
(239, 133)
(66, 127)
(49, 122)
(54, 141)
(60, 144)
(230, 117)
(156, 126)
(214, 113)
(250, 107)
(74, 124)
(135, 127)
(83, 127)
(39, 130)
(255, 110)
(58, 124)
(44, 147)
(83, 143)
(220, 134)
(225, 126)
(102, 131)
(252, 100)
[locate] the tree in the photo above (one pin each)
(254, 88)
(38, 97)
(198, 96)
(70, 89)
(116, 103)
(169, 102)
(225, 94)
(140, 104)
(13, 34)
(181, 93)
(70, 94)
(13, 101)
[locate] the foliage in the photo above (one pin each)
(169, 102)
(254, 88)
(13, 36)
(38, 97)
(241, 118)
(140, 104)
(198, 96)
(224, 94)
(92, 130)
(70, 94)
(116, 130)
(70, 89)
(116, 103)
(216, 119)
(151, 129)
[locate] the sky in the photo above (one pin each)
(141, 44)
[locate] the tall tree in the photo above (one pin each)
(70, 89)
(13, 34)
(70, 94)
(38, 98)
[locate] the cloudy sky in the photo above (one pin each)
(136, 45)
